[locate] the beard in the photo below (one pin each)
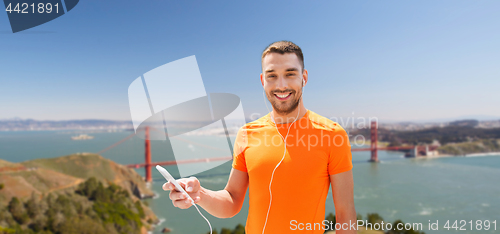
(285, 107)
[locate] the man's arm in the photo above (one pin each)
(343, 198)
(224, 203)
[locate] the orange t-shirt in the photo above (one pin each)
(317, 147)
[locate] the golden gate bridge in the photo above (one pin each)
(148, 164)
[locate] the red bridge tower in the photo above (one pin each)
(373, 140)
(148, 157)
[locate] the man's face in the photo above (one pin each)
(282, 80)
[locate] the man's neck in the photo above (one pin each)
(290, 117)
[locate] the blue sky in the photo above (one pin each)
(394, 60)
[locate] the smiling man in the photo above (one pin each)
(288, 185)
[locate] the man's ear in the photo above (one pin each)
(304, 77)
(262, 80)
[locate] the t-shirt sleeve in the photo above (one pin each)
(340, 153)
(240, 145)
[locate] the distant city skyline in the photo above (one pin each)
(337, 119)
(393, 60)
(17, 124)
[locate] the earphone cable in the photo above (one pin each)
(195, 206)
(284, 153)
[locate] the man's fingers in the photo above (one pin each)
(182, 183)
(182, 203)
(192, 184)
(175, 195)
(189, 185)
(168, 186)
(179, 199)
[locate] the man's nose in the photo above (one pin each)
(282, 83)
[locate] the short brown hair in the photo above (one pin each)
(283, 47)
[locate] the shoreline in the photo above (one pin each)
(484, 154)
(478, 154)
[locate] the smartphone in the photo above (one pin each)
(171, 179)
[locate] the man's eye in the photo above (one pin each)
(290, 74)
(270, 76)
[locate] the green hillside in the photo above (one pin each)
(84, 190)
(77, 165)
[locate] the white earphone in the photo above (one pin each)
(284, 153)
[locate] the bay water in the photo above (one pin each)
(415, 190)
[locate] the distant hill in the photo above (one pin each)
(43, 176)
(17, 124)
(465, 123)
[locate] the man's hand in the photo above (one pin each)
(224, 203)
(179, 199)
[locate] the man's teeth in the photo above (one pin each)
(283, 95)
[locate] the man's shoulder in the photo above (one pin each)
(317, 122)
(259, 123)
(324, 123)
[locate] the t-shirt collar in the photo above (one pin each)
(269, 120)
